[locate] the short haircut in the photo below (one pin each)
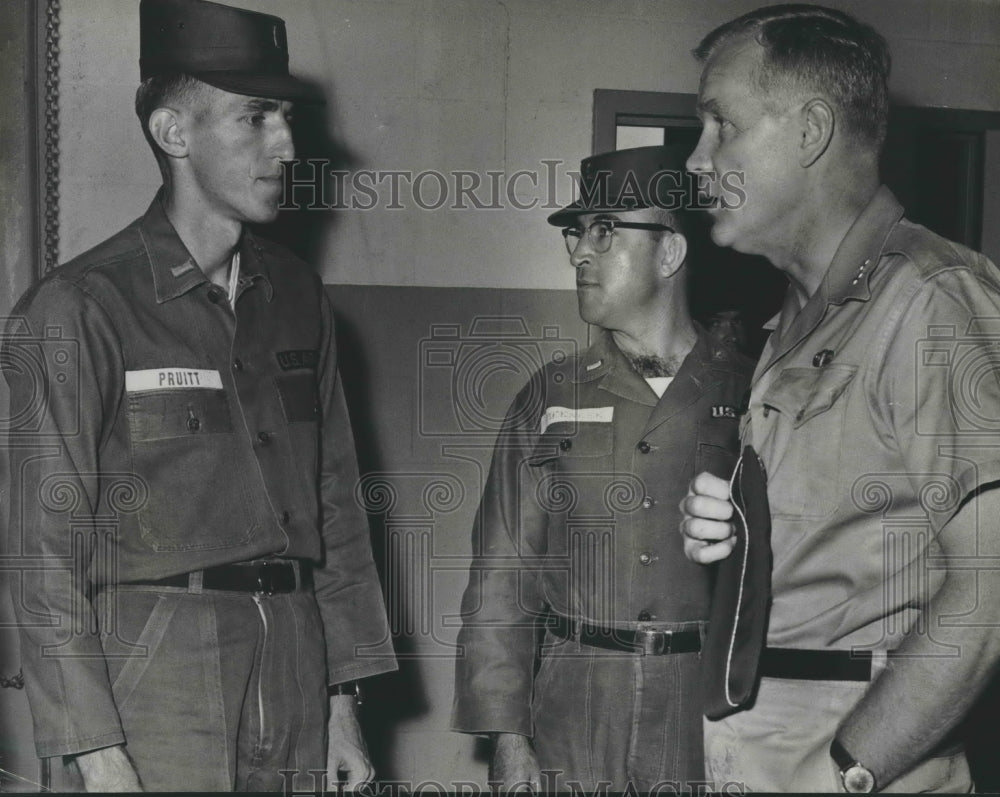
(163, 91)
(821, 49)
(677, 219)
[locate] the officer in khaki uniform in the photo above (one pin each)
(210, 598)
(874, 412)
(576, 531)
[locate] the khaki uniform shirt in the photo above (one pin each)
(876, 412)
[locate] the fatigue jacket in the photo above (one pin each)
(580, 514)
(157, 430)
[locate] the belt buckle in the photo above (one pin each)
(653, 643)
(265, 580)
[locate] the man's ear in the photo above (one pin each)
(818, 122)
(167, 129)
(673, 251)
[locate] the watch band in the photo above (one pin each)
(352, 688)
(840, 756)
(855, 776)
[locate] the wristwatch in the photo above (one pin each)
(352, 688)
(855, 776)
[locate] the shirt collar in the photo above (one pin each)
(604, 356)
(847, 277)
(858, 255)
(175, 271)
(253, 265)
(596, 360)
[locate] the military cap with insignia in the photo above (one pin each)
(240, 51)
(629, 179)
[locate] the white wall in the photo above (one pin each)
(464, 85)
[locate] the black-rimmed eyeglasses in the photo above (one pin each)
(600, 232)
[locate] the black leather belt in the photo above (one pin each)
(264, 578)
(646, 641)
(816, 665)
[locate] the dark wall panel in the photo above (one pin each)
(429, 373)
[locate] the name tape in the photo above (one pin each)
(171, 378)
(568, 415)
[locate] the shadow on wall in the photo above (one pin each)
(428, 374)
(398, 696)
(310, 191)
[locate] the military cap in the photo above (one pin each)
(240, 51)
(628, 179)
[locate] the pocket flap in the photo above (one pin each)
(718, 442)
(804, 393)
(299, 397)
(160, 414)
(722, 432)
(571, 439)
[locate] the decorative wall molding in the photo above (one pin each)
(46, 79)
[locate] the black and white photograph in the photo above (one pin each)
(500, 396)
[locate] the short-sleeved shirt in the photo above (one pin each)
(876, 412)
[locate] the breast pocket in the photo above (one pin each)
(574, 445)
(575, 463)
(718, 447)
(299, 397)
(809, 404)
(184, 448)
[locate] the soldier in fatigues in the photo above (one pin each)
(192, 469)
(575, 534)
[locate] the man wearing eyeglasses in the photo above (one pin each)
(574, 542)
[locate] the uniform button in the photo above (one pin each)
(644, 616)
(215, 294)
(823, 358)
(565, 444)
(647, 502)
(645, 558)
(193, 424)
(643, 447)
(237, 364)
(286, 516)
(264, 438)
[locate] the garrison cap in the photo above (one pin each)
(243, 52)
(629, 179)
